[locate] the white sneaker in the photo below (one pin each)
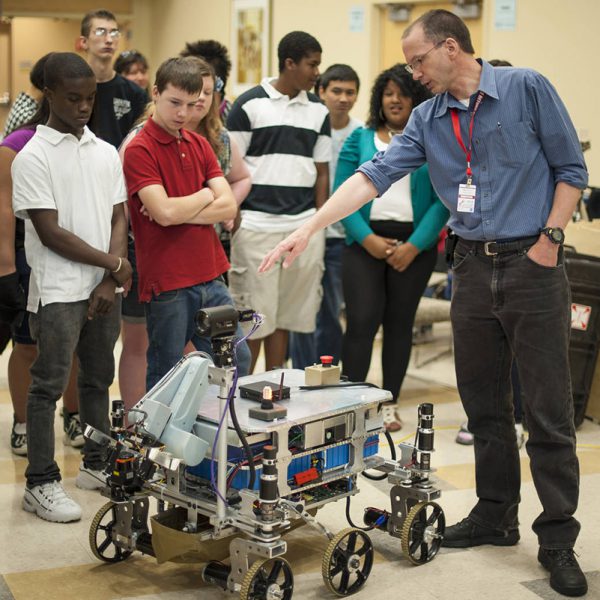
(520, 434)
(464, 436)
(49, 501)
(89, 479)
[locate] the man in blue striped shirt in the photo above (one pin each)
(504, 158)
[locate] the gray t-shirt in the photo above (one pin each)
(338, 137)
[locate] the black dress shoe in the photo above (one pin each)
(467, 534)
(566, 576)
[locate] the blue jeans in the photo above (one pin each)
(306, 348)
(501, 305)
(170, 321)
(61, 329)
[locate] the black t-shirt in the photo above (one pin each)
(119, 103)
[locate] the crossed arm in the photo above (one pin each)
(207, 206)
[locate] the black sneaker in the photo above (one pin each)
(73, 435)
(467, 534)
(566, 576)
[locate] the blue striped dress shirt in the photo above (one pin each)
(523, 144)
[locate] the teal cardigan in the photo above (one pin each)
(429, 214)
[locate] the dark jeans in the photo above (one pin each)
(501, 306)
(306, 348)
(376, 294)
(61, 329)
(170, 320)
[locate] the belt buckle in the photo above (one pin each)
(486, 249)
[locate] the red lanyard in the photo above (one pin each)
(457, 134)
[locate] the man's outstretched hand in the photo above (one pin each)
(294, 244)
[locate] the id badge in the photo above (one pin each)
(466, 197)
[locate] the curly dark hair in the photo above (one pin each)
(296, 45)
(410, 88)
(214, 53)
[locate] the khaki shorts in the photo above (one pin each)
(288, 298)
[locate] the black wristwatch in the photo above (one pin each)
(555, 234)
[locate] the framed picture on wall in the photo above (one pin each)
(250, 43)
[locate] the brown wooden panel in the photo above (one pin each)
(46, 7)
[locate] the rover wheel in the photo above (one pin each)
(422, 532)
(347, 562)
(269, 579)
(101, 535)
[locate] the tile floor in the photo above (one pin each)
(40, 560)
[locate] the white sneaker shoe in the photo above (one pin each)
(520, 434)
(49, 501)
(464, 436)
(89, 479)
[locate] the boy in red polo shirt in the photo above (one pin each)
(177, 192)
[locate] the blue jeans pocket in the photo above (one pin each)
(165, 297)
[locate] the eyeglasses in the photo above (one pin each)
(115, 34)
(417, 62)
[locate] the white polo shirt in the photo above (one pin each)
(82, 180)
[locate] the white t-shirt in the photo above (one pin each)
(395, 204)
(338, 137)
(82, 180)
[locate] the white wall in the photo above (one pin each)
(559, 39)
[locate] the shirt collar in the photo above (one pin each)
(267, 84)
(487, 85)
(162, 136)
(55, 137)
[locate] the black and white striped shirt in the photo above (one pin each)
(280, 139)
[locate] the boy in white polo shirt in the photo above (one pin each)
(68, 186)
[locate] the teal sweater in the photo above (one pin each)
(429, 214)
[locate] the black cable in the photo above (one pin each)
(246, 446)
(393, 453)
(349, 519)
(309, 388)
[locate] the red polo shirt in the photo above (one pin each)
(178, 256)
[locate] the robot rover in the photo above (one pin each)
(228, 485)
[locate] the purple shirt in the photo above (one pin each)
(17, 139)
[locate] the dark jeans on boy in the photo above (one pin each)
(501, 305)
(60, 330)
(170, 320)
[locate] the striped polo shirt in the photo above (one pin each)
(280, 139)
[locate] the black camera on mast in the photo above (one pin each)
(219, 323)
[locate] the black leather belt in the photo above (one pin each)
(495, 248)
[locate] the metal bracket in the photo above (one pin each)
(298, 509)
(132, 519)
(403, 498)
(241, 550)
